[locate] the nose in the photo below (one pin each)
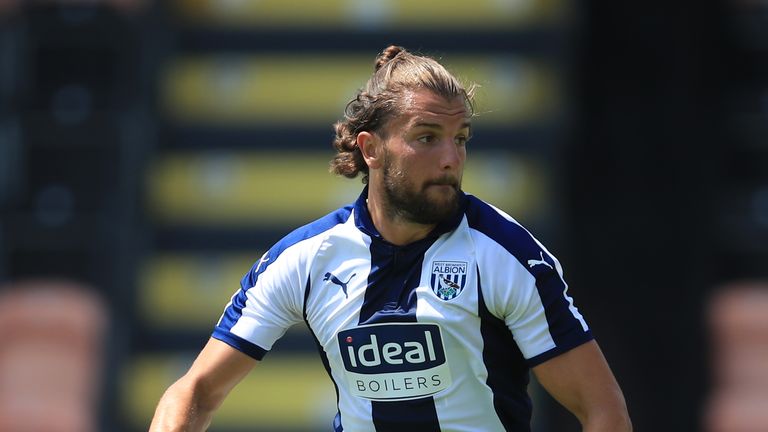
(452, 155)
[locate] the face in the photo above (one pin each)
(423, 158)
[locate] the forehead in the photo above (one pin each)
(424, 106)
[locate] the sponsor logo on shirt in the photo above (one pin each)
(394, 361)
(448, 278)
(535, 262)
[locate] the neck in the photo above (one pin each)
(391, 226)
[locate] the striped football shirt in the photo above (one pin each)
(436, 335)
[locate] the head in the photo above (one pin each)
(406, 95)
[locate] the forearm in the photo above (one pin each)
(582, 382)
(180, 410)
(188, 405)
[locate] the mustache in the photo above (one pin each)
(445, 180)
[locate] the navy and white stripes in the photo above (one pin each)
(424, 349)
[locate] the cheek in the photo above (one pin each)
(407, 165)
(462, 157)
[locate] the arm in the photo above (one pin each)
(582, 382)
(188, 405)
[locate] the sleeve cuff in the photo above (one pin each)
(560, 349)
(239, 343)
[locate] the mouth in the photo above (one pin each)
(444, 184)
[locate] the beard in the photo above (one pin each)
(409, 202)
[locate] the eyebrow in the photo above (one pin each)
(465, 125)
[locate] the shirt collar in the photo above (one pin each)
(365, 224)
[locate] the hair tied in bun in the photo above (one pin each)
(388, 54)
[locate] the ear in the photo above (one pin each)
(370, 147)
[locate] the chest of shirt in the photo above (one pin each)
(356, 284)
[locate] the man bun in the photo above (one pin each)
(388, 54)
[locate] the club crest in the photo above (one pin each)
(448, 278)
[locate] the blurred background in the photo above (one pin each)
(150, 151)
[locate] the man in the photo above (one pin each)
(430, 306)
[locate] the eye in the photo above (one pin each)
(426, 139)
(461, 140)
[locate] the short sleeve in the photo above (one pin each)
(268, 302)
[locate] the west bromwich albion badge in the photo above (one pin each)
(448, 278)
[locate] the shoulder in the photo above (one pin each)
(498, 227)
(297, 239)
(312, 229)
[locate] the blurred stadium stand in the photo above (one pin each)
(246, 95)
(154, 150)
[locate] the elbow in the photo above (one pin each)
(195, 397)
(206, 399)
(607, 422)
(620, 422)
(623, 422)
(609, 416)
(615, 419)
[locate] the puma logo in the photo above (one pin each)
(533, 262)
(330, 276)
(263, 259)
